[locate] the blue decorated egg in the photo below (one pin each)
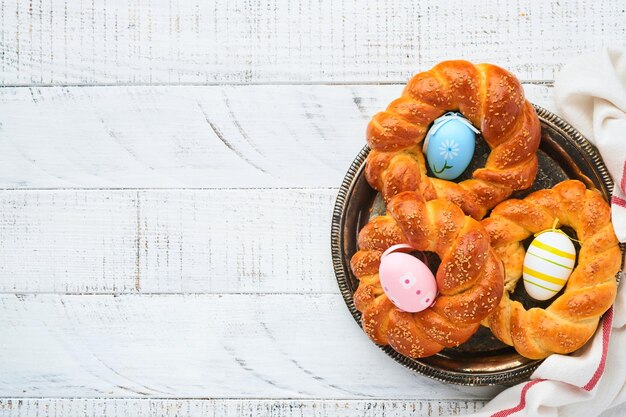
(549, 261)
(449, 145)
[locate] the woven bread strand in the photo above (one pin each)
(572, 318)
(492, 99)
(469, 279)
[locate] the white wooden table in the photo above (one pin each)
(168, 171)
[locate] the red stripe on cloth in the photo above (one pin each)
(623, 181)
(522, 401)
(607, 324)
(618, 201)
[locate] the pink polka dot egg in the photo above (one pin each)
(408, 282)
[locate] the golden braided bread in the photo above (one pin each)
(492, 99)
(469, 279)
(572, 318)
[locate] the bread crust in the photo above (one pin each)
(469, 279)
(492, 99)
(572, 318)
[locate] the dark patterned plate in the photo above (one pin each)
(483, 360)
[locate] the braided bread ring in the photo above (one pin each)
(492, 99)
(572, 318)
(469, 279)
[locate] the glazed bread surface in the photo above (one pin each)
(469, 278)
(492, 99)
(572, 318)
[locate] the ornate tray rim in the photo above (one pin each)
(459, 378)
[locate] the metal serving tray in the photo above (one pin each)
(482, 360)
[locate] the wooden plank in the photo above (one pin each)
(164, 241)
(197, 346)
(178, 137)
(74, 407)
(27, 407)
(162, 41)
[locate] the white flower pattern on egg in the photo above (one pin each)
(448, 149)
(407, 280)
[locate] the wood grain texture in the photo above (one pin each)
(166, 241)
(173, 242)
(236, 407)
(204, 346)
(179, 137)
(166, 41)
(34, 407)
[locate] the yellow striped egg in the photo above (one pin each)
(548, 264)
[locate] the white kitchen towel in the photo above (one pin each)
(590, 94)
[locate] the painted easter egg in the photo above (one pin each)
(406, 280)
(548, 264)
(449, 145)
